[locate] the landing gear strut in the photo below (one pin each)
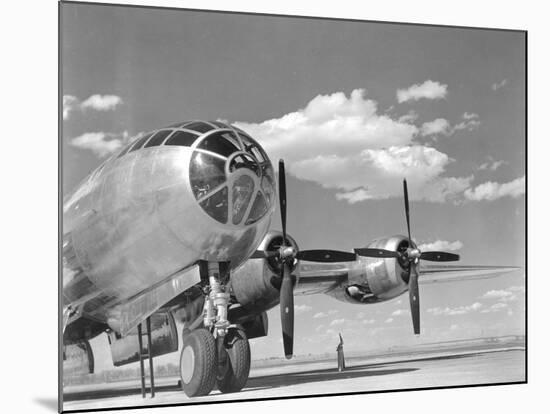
(219, 352)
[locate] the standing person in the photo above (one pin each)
(340, 350)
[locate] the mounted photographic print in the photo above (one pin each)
(264, 206)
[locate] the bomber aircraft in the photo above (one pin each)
(177, 225)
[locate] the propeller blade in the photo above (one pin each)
(406, 194)
(326, 256)
(259, 254)
(368, 252)
(282, 197)
(439, 256)
(287, 311)
(262, 254)
(414, 299)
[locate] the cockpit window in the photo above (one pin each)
(243, 189)
(259, 208)
(206, 173)
(233, 138)
(158, 138)
(218, 144)
(139, 143)
(252, 147)
(124, 151)
(219, 124)
(182, 138)
(198, 126)
(216, 205)
(244, 161)
(178, 124)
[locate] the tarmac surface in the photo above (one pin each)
(423, 369)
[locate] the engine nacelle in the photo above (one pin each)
(373, 280)
(256, 283)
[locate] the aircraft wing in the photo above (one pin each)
(314, 278)
(449, 273)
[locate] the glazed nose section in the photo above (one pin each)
(231, 177)
(251, 191)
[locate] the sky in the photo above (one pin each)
(353, 108)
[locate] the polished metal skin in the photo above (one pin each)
(136, 220)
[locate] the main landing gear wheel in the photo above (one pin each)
(234, 366)
(198, 363)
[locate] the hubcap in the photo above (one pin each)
(187, 364)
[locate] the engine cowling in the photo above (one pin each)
(373, 280)
(256, 283)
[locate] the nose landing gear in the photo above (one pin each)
(219, 352)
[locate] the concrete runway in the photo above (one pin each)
(404, 371)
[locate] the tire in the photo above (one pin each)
(198, 363)
(233, 375)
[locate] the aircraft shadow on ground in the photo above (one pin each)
(331, 374)
(258, 383)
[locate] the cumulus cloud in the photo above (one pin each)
(460, 310)
(320, 315)
(102, 143)
(330, 125)
(497, 294)
(497, 307)
(94, 102)
(400, 312)
(337, 322)
(439, 245)
(437, 126)
(299, 309)
(491, 165)
(344, 143)
(101, 102)
(70, 103)
(409, 117)
(520, 289)
(510, 294)
(469, 122)
(368, 321)
(389, 320)
(498, 85)
(378, 173)
(490, 190)
(441, 126)
(426, 90)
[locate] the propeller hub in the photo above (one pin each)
(287, 252)
(413, 254)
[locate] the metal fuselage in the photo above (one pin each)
(136, 220)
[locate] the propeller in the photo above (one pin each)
(286, 254)
(286, 300)
(412, 256)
